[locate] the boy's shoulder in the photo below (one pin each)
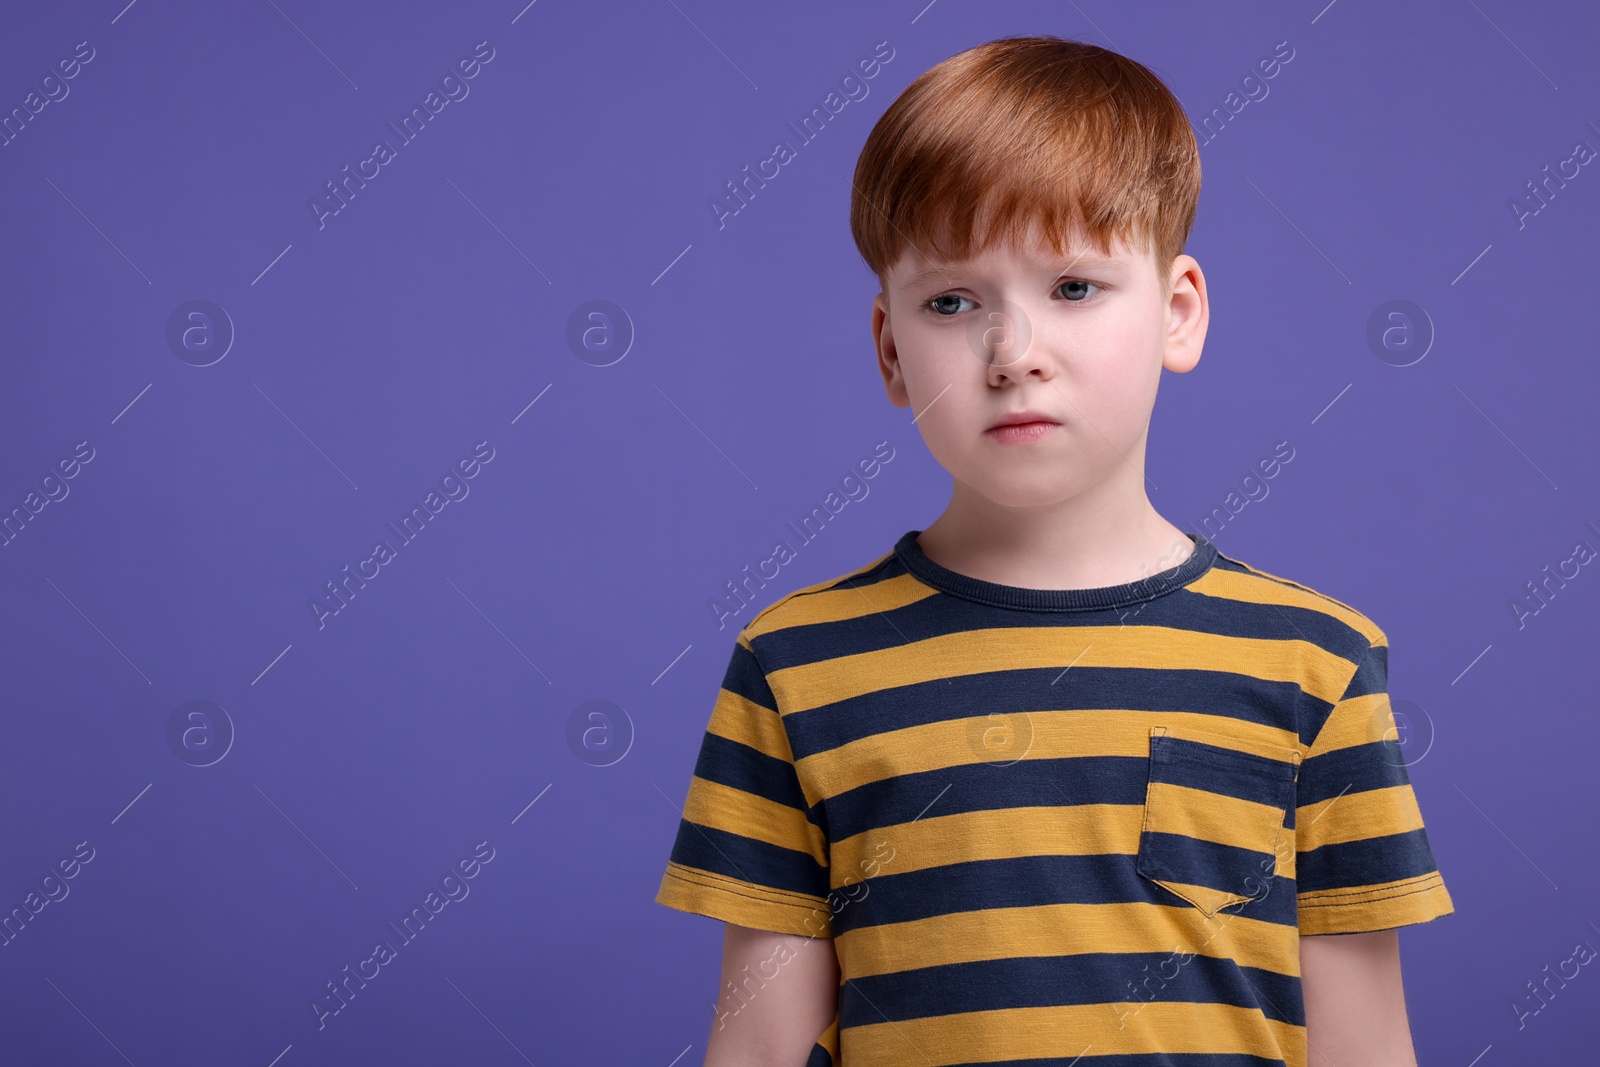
(1346, 629)
(839, 597)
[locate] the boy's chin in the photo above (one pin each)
(1008, 490)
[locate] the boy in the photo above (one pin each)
(1052, 781)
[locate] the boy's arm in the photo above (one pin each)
(1355, 1002)
(779, 993)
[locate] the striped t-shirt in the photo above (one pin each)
(1047, 824)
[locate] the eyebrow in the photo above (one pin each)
(1081, 259)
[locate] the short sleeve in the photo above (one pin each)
(1362, 858)
(749, 849)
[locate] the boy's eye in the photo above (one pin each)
(1074, 290)
(941, 305)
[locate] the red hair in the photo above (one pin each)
(1020, 130)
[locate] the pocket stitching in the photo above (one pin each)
(1263, 765)
(1289, 755)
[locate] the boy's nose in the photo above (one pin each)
(1001, 336)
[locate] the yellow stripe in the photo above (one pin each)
(732, 810)
(1172, 1027)
(842, 604)
(1066, 830)
(830, 1039)
(694, 876)
(1358, 816)
(1378, 907)
(1207, 816)
(1003, 833)
(1208, 900)
(805, 591)
(731, 900)
(1065, 929)
(996, 834)
(811, 685)
(1366, 893)
(1357, 721)
(1003, 739)
(740, 719)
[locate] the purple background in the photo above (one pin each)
(373, 353)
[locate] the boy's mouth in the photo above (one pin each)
(1022, 426)
(1024, 418)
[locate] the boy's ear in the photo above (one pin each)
(888, 358)
(1188, 314)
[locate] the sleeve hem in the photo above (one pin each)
(760, 908)
(1367, 908)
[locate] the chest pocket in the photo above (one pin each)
(1213, 815)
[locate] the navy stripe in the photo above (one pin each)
(1085, 779)
(1175, 858)
(1121, 981)
(1180, 761)
(1372, 673)
(886, 568)
(1366, 862)
(748, 860)
(745, 678)
(1028, 881)
(1371, 676)
(1376, 765)
(739, 766)
(1221, 760)
(1029, 783)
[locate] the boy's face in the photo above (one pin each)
(1077, 340)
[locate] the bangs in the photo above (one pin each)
(1037, 131)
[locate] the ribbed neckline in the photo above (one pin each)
(1011, 596)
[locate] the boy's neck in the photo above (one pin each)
(1088, 542)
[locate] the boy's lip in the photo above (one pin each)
(1017, 418)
